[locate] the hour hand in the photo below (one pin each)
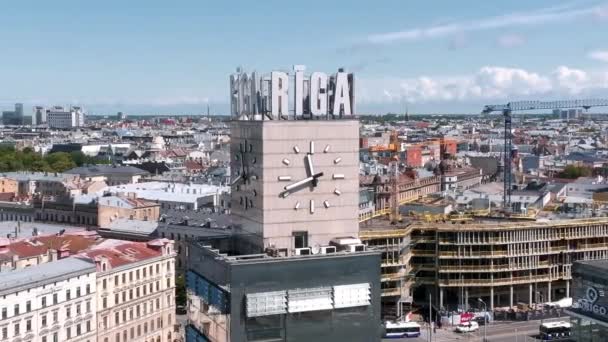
(303, 181)
(236, 180)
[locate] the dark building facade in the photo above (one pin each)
(589, 311)
(257, 297)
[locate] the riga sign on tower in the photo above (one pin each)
(267, 97)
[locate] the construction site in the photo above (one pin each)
(503, 255)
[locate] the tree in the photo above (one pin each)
(60, 161)
(180, 291)
(573, 172)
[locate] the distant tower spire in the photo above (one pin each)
(407, 114)
(208, 115)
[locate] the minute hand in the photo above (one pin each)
(303, 181)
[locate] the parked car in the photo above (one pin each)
(467, 327)
(181, 310)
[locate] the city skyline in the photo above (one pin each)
(150, 58)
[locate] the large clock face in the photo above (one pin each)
(313, 177)
(245, 162)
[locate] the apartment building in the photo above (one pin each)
(58, 117)
(52, 302)
(111, 208)
(135, 290)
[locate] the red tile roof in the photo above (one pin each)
(121, 253)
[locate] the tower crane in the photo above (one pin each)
(507, 110)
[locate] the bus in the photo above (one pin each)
(554, 331)
(401, 329)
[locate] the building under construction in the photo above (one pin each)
(502, 262)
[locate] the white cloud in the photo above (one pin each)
(599, 55)
(511, 40)
(489, 82)
(540, 16)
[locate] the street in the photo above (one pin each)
(496, 332)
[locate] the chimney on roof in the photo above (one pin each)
(52, 254)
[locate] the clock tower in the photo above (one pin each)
(295, 183)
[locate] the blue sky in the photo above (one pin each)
(172, 57)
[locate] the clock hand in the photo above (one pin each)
(236, 180)
(303, 181)
(309, 168)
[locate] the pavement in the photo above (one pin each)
(496, 332)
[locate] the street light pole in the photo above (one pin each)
(485, 322)
(430, 318)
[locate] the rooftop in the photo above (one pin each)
(102, 170)
(51, 272)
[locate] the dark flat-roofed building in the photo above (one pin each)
(254, 297)
(112, 174)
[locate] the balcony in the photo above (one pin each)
(501, 281)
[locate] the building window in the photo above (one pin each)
(130, 294)
(4, 333)
(124, 278)
(88, 306)
(105, 302)
(137, 292)
(138, 311)
(124, 335)
(4, 313)
(55, 298)
(55, 316)
(116, 318)
(152, 325)
(144, 272)
(43, 321)
(300, 239)
(157, 303)
(78, 291)
(16, 309)
(117, 337)
(78, 330)
(28, 306)
(78, 309)
(151, 269)
(116, 281)
(137, 274)
(104, 284)
(55, 337)
(68, 295)
(138, 330)
(131, 276)
(68, 332)
(68, 312)
(17, 329)
(124, 296)
(116, 298)
(124, 315)
(28, 325)
(132, 333)
(88, 326)
(168, 283)
(158, 286)
(105, 322)
(157, 268)
(88, 289)
(151, 288)
(131, 314)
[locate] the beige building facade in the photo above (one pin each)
(295, 183)
(136, 300)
